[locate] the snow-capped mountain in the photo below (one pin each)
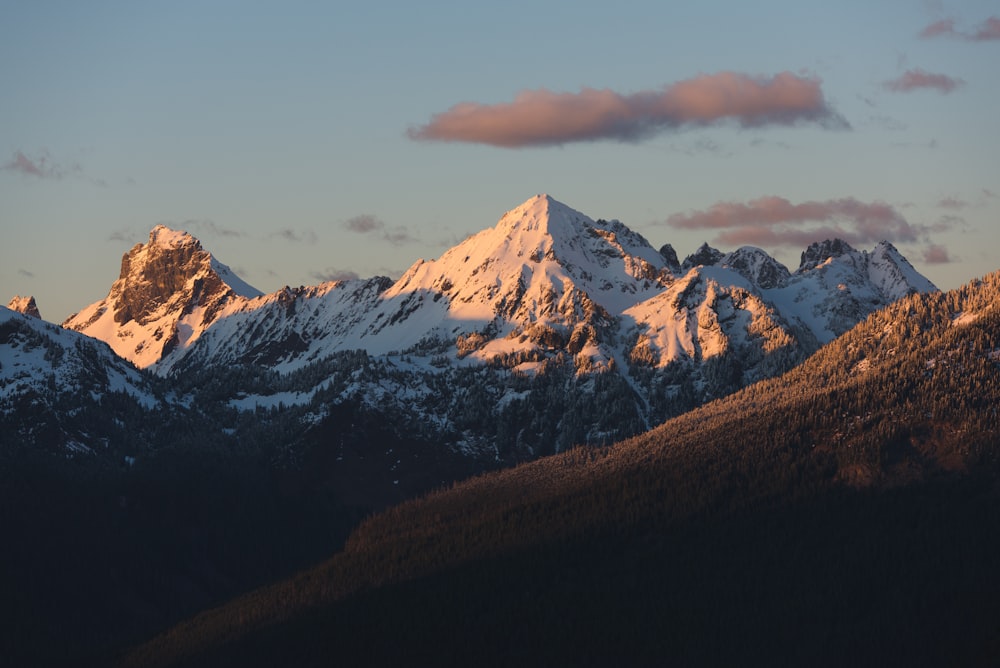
(60, 388)
(169, 292)
(547, 288)
(836, 286)
(25, 305)
(546, 279)
(545, 276)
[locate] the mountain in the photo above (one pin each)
(836, 286)
(168, 292)
(843, 512)
(65, 392)
(545, 279)
(25, 305)
(546, 330)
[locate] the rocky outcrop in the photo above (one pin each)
(25, 305)
(705, 256)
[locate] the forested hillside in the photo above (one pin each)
(844, 512)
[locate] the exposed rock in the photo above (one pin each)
(820, 251)
(670, 256)
(704, 256)
(25, 305)
(757, 267)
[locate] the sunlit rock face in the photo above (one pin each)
(756, 266)
(25, 305)
(820, 251)
(168, 292)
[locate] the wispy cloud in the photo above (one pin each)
(333, 274)
(41, 166)
(364, 223)
(936, 254)
(775, 221)
(915, 79)
(986, 31)
(371, 225)
(545, 118)
(25, 273)
(295, 236)
(123, 236)
(952, 203)
(207, 227)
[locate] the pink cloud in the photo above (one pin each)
(936, 254)
(544, 118)
(988, 30)
(942, 27)
(41, 167)
(775, 221)
(914, 79)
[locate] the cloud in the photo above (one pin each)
(986, 31)
(914, 79)
(952, 203)
(942, 27)
(211, 228)
(364, 223)
(41, 166)
(544, 118)
(333, 274)
(122, 235)
(296, 237)
(936, 254)
(369, 224)
(774, 221)
(25, 273)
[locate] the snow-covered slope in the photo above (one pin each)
(544, 271)
(285, 329)
(545, 277)
(169, 292)
(836, 286)
(50, 378)
(545, 288)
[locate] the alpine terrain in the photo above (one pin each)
(843, 513)
(547, 330)
(187, 438)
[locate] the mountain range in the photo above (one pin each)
(188, 438)
(545, 330)
(545, 278)
(844, 513)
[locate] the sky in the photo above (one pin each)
(310, 141)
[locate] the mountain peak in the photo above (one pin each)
(819, 252)
(168, 291)
(25, 305)
(705, 255)
(757, 266)
(165, 237)
(541, 213)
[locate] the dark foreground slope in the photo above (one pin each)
(847, 512)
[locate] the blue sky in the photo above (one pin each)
(305, 141)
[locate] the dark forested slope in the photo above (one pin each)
(844, 512)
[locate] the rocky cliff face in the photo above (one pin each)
(169, 291)
(25, 305)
